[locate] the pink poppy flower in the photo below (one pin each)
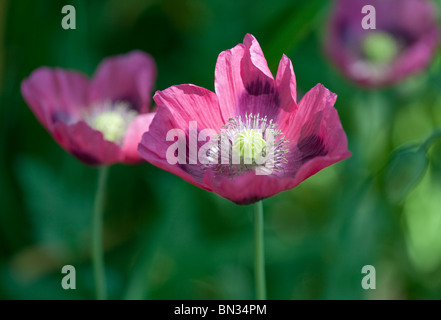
(99, 121)
(404, 41)
(250, 116)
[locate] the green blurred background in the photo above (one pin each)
(165, 238)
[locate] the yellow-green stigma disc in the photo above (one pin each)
(380, 47)
(111, 124)
(249, 144)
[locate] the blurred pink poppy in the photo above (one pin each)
(250, 116)
(404, 41)
(99, 121)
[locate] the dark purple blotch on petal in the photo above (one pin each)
(59, 115)
(260, 97)
(86, 158)
(310, 147)
(134, 103)
(196, 171)
(258, 87)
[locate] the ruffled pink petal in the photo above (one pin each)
(287, 89)
(129, 77)
(255, 55)
(248, 187)
(316, 136)
(228, 81)
(87, 144)
(55, 95)
(153, 148)
(286, 84)
(242, 76)
(315, 165)
(188, 102)
(177, 107)
(133, 137)
(314, 101)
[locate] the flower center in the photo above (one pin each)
(111, 124)
(112, 119)
(380, 47)
(247, 144)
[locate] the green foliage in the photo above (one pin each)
(404, 172)
(166, 239)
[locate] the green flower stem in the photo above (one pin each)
(154, 235)
(428, 143)
(259, 252)
(97, 236)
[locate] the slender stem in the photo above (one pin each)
(97, 236)
(259, 252)
(427, 144)
(153, 236)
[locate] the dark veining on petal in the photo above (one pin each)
(310, 147)
(191, 90)
(263, 87)
(258, 87)
(260, 97)
(197, 171)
